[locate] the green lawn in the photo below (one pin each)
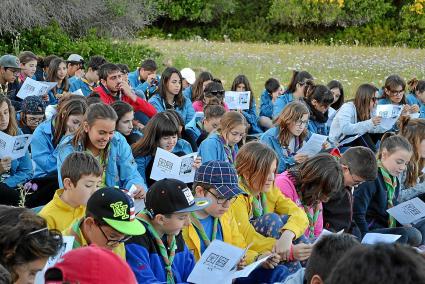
(350, 64)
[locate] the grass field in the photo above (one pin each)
(350, 64)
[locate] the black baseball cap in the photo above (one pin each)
(169, 196)
(116, 208)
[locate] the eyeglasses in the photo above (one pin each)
(14, 71)
(300, 123)
(222, 199)
(395, 93)
(356, 182)
(109, 242)
(34, 119)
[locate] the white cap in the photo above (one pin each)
(189, 75)
(75, 58)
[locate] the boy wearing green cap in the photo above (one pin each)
(9, 71)
(110, 220)
(160, 255)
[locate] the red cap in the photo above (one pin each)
(90, 265)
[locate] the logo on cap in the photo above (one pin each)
(189, 197)
(120, 210)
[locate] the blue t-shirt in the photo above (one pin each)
(208, 224)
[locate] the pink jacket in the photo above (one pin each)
(198, 106)
(287, 187)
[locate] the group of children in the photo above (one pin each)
(91, 158)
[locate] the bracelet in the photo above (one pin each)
(291, 254)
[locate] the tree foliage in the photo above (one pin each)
(327, 13)
(118, 18)
(196, 10)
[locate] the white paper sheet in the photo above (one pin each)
(168, 165)
(375, 238)
(237, 100)
(14, 146)
(246, 271)
(388, 123)
(388, 111)
(389, 114)
(414, 115)
(34, 88)
(217, 264)
(348, 140)
(68, 242)
(408, 212)
(327, 233)
(78, 92)
(139, 204)
(313, 145)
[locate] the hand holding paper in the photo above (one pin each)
(168, 165)
(14, 146)
(408, 212)
(32, 87)
(139, 204)
(313, 145)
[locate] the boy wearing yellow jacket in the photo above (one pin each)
(217, 180)
(81, 176)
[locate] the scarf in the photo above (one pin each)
(229, 151)
(168, 258)
(259, 203)
(197, 224)
(312, 218)
(91, 87)
(390, 184)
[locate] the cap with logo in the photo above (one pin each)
(116, 208)
(169, 196)
(10, 61)
(88, 265)
(75, 58)
(222, 175)
(189, 75)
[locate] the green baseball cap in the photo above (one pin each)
(116, 208)
(10, 61)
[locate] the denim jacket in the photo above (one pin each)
(121, 169)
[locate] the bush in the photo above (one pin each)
(326, 13)
(53, 40)
(118, 18)
(196, 10)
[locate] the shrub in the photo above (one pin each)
(53, 40)
(118, 18)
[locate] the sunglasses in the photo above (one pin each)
(215, 93)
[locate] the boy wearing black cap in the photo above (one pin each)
(218, 181)
(110, 220)
(160, 255)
